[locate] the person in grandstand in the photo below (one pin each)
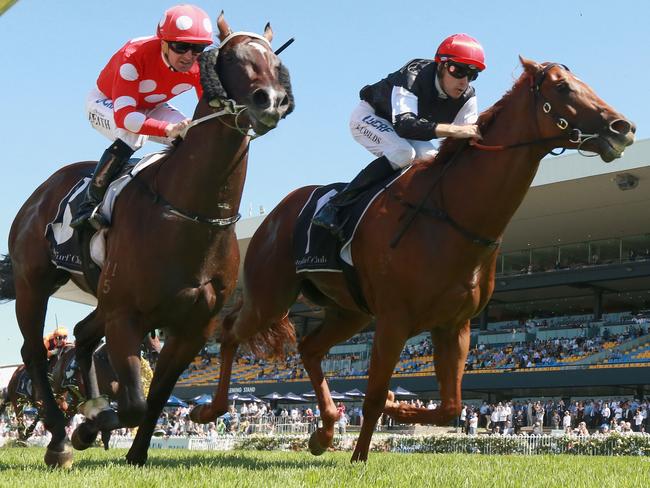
(129, 104)
(399, 115)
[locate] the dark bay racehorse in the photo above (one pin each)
(171, 255)
(441, 272)
(67, 384)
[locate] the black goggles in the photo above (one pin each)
(460, 71)
(183, 47)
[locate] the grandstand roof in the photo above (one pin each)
(572, 199)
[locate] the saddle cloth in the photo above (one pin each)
(24, 384)
(66, 252)
(315, 249)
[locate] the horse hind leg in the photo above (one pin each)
(337, 326)
(174, 358)
(31, 304)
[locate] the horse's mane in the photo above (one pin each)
(451, 145)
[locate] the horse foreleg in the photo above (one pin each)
(174, 358)
(386, 349)
(88, 334)
(451, 347)
(123, 338)
(219, 405)
(337, 326)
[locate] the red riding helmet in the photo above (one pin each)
(461, 48)
(185, 23)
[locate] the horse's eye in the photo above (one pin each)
(563, 87)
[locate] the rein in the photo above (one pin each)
(439, 213)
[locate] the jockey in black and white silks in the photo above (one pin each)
(399, 115)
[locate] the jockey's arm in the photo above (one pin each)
(408, 125)
(125, 96)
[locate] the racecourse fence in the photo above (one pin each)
(597, 445)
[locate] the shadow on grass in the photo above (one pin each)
(248, 460)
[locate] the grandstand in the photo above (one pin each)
(573, 277)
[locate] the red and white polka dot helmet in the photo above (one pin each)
(461, 48)
(185, 23)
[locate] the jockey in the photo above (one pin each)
(399, 115)
(55, 341)
(129, 104)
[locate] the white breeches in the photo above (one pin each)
(99, 109)
(377, 135)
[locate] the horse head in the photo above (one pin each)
(569, 107)
(245, 70)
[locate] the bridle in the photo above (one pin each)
(229, 106)
(570, 133)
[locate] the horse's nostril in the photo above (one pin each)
(621, 126)
(285, 101)
(261, 98)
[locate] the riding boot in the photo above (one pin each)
(327, 216)
(108, 167)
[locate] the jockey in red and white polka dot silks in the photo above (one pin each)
(139, 79)
(130, 103)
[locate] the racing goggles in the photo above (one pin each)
(460, 71)
(183, 47)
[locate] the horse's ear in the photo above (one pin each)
(530, 66)
(268, 32)
(224, 28)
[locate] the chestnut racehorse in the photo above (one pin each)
(69, 391)
(450, 213)
(171, 254)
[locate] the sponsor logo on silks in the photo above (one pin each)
(377, 124)
(364, 131)
(106, 102)
(99, 121)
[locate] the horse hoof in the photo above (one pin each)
(56, 459)
(201, 415)
(83, 437)
(107, 420)
(315, 447)
(135, 460)
(106, 439)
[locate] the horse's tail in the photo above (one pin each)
(269, 342)
(7, 286)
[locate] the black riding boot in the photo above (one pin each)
(327, 216)
(109, 166)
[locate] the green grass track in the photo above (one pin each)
(24, 467)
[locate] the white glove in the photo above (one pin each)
(177, 130)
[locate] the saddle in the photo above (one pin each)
(67, 253)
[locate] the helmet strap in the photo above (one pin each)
(164, 52)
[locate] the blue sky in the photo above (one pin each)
(52, 53)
